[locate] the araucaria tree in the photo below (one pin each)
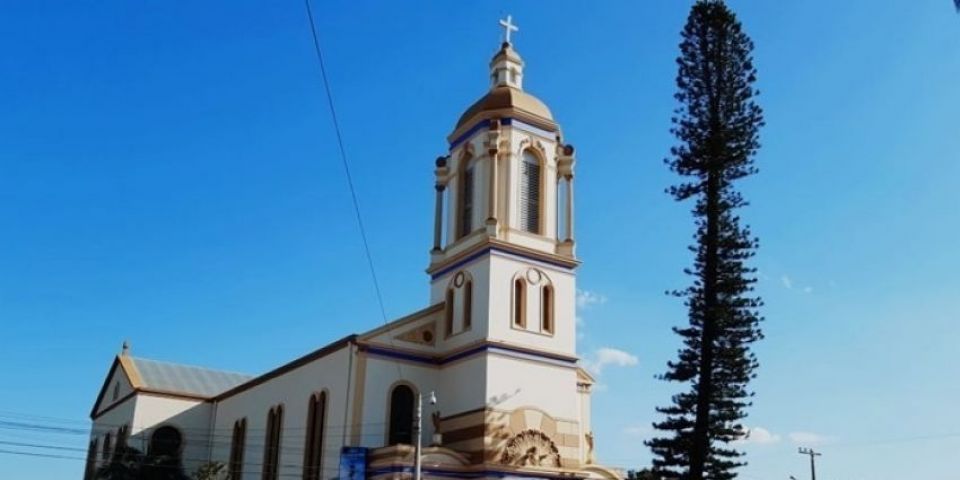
(717, 127)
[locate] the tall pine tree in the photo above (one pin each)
(717, 125)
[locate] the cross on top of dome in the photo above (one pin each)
(508, 26)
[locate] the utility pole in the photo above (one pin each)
(813, 465)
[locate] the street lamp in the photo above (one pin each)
(417, 428)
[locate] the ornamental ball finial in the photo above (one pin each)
(441, 161)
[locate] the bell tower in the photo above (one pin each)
(503, 255)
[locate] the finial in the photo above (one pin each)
(508, 27)
(441, 161)
(125, 349)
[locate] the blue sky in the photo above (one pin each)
(169, 175)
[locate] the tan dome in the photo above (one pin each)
(508, 98)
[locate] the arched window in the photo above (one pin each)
(122, 435)
(467, 305)
(401, 416)
(107, 445)
(237, 445)
(91, 468)
(466, 200)
(448, 319)
(313, 451)
(165, 441)
(271, 449)
(530, 191)
(116, 390)
(546, 310)
(519, 303)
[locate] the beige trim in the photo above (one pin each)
(130, 369)
(549, 258)
(418, 315)
(356, 427)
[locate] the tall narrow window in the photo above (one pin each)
(401, 416)
(237, 445)
(467, 304)
(271, 449)
(107, 445)
(519, 303)
(448, 312)
(91, 467)
(313, 451)
(530, 176)
(546, 310)
(466, 202)
(122, 435)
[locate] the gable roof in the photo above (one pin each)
(185, 379)
(153, 376)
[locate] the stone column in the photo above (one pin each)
(441, 174)
(569, 235)
(493, 154)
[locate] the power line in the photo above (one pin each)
(343, 159)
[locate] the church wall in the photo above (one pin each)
(382, 374)
(117, 384)
(503, 271)
(293, 390)
(518, 383)
(522, 138)
(111, 421)
(479, 271)
(535, 396)
(191, 417)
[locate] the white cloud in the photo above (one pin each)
(760, 436)
(807, 289)
(586, 298)
(636, 431)
(807, 439)
(786, 282)
(609, 356)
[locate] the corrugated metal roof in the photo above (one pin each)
(172, 377)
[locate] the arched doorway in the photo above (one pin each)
(401, 416)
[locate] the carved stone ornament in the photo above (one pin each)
(531, 448)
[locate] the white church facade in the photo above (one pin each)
(496, 343)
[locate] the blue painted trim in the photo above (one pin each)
(484, 251)
(478, 474)
(483, 124)
(457, 141)
(466, 353)
(402, 355)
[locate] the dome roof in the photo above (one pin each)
(507, 98)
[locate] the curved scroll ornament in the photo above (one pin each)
(531, 448)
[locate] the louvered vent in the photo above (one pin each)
(530, 193)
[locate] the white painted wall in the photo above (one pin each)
(110, 422)
(191, 417)
(522, 383)
(503, 270)
(293, 390)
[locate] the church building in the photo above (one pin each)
(496, 343)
